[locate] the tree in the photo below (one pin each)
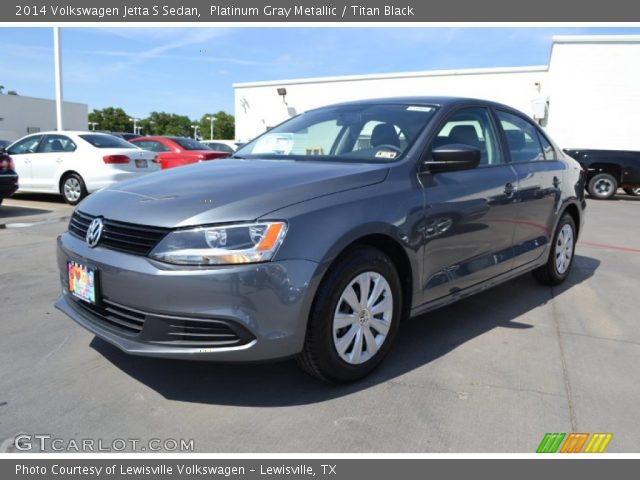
(111, 119)
(1, 88)
(223, 126)
(163, 123)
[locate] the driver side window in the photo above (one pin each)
(473, 127)
(27, 145)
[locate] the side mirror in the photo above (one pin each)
(449, 158)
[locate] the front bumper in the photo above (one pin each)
(265, 306)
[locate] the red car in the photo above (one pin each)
(177, 151)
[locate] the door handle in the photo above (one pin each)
(58, 160)
(556, 182)
(509, 190)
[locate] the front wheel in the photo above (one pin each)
(558, 266)
(73, 189)
(633, 191)
(354, 318)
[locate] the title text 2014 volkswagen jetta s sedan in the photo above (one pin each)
(322, 234)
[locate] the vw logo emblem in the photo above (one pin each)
(94, 232)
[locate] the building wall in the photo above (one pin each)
(594, 91)
(18, 113)
(591, 84)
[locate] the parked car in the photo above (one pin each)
(228, 146)
(314, 243)
(124, 135)
(607, 170)
(178, 151)
(8, 176)
(76, 163)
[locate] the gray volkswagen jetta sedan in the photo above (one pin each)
(321, 235)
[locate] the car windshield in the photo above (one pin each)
(355, 132)
(106, 141)
(189, 143)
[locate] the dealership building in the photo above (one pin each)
(20, 115)
(587, 96)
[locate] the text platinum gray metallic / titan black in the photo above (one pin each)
(318, 237)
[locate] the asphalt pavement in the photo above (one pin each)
(492, 373)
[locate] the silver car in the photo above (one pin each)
(317, 238)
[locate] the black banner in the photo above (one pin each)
(334, 469)
(290, 11)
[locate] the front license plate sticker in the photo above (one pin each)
(81, 281)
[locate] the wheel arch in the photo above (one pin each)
(390, 247)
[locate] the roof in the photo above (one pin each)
(557, 39)
(384, 76)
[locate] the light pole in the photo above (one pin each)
(93, 125)
(57, 61)
(211, 120)
(135, 124)
(195, 131)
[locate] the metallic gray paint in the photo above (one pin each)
(461, 231)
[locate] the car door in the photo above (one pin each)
(468, 227)
(540, 174)
(54, 152)
(22, 153)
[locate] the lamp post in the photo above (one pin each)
(57, 61)
(135, 124)
(195, 131)
(211, 120)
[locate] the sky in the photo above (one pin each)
(190, 71)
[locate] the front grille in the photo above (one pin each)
(167, 330)
(117, 316)
(122, 236)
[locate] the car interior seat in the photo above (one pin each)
(384, 134)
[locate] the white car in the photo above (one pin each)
(75, 164)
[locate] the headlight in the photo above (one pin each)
(222, 245)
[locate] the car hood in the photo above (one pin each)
(226, 190)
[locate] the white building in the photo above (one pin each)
(587, 96)
(20, 115)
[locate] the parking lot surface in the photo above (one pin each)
(492, 373)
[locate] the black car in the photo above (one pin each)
(8, 176)
(607, 170)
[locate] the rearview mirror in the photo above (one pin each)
(449, 158)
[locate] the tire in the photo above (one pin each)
(603, 186)
(555, 271)
(346, 353)
(72, 188)
(633, 191)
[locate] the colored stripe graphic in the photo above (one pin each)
(574, 443)
(598, 443)
(550, 442)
